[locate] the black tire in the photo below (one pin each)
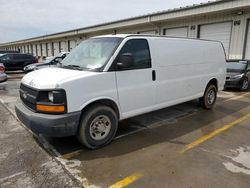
(244, 84)
(209, 98)
(91, 131)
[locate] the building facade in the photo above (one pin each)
(224, 20)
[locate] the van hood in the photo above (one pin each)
(50, 78)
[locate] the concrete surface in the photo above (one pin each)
(152, 146)
(23, 163)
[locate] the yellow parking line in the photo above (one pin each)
(214, 133)
(126, 181)
(71, 155)
(236, 97)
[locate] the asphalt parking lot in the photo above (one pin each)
(180, 146)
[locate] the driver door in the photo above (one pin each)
(135, 85)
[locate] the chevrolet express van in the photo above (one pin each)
(110, 78)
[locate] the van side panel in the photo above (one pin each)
(184, 67)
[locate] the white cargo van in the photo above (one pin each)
(110, 78)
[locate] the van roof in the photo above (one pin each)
(148, 35)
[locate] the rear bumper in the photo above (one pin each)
(49, 125)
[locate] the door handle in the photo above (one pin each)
(153, 75)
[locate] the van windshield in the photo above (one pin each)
(91, 54)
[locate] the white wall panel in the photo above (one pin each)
(151, 32)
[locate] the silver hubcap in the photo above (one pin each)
(245, 84)
(100, 127)
(211, 97)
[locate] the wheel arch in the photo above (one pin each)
(212, 81)
(104, 101)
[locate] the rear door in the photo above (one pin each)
(18, 60)
(28, 59)
(136, 87)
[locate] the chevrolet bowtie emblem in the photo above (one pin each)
(24, 95)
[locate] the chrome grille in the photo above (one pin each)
(28, 96)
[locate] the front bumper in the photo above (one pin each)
(50, 125)
(233, 83)
(3, 77)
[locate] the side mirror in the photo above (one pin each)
(59, 60)
(56, 61)
(125, 61)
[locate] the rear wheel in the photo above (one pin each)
(98, 126)
(245, 84)
(209, 98)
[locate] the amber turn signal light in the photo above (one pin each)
(46, 108)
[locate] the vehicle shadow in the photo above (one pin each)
(236, 90)
(155, 129)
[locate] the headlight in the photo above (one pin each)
(30, 67)
(51, 96)
(51, 101)
(237, 76)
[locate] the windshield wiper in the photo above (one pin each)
(74, 67)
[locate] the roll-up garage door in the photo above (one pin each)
(28, 49)
(176, 32)
(44, 49)
(247, 49)
(34, 49)
(38, 49)
(31, 49)
(56, 48)
(64, 46)
(49, 48)
(72, 44)
(219, 31)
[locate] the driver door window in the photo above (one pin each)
(140, 51)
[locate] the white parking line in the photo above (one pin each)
(11, 176)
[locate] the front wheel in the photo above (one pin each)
(98, 126)
(244, 85)
(209, 98)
